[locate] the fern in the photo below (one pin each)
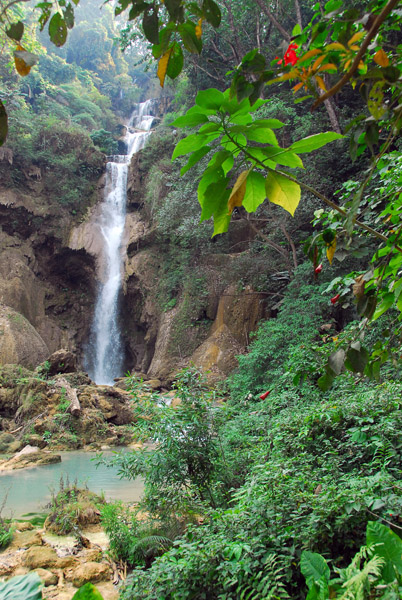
(356, 579)
(151, 545)
(267, 584)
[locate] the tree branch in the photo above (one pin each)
(370, 35)
(273, 20)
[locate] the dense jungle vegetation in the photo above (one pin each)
(285, 481)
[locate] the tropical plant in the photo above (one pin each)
(375, 569)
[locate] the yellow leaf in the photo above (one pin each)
(320, 83)
(163, 65)
(298, 86)
(331, 251)
(318, 62)
(336, 46)
(356, 38)
(291, 75)
(328, 67)
(309, 54)
(21, 66)
(354, 48)
(381, 58)
(238, 191)
(198, 29)
(282, 191)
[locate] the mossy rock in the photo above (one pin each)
(73, 508)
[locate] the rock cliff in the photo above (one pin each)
(49, 260)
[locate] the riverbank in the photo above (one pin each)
(63, 563)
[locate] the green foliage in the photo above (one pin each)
(87, 592)
(375, 567)
(227, 128)
(134, 541)
(72, 507)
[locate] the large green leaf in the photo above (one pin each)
(15, 31)
(87, 592)
(150, 25)
(211, 175)
(314, 567)
(190, 120)
(190, 144)
(282, 191)
(194, 158)
(57, 30)
(22, 587)
(313, 142)
(262, 134)
(255, 192)
(191, 42)
(176, 60)
(211, 99)
(212, 12)
(216, 202)
(389, 547)
(3, 123)
(271, 123)
(356, 359)
(223, 159)
(282, 156)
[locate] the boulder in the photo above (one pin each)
(61, 361)
(30, 456)
(40, 557)
(26, 539)
(90, 572)
(8, 443)
(47, 577)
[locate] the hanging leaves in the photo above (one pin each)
(150, 25)
(15, 31)
(57, 30)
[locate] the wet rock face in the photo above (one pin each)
(20, 343)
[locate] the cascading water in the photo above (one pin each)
(105, 353)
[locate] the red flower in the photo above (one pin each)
(290, 57)
(318, 269)
(263, 396)
(335, 299)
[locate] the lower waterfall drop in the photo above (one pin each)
(105, 354)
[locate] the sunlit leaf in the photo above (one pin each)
(282, 191)
(331, 251)
(162, 68)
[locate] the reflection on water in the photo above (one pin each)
(28, 490)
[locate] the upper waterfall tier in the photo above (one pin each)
(105, 354)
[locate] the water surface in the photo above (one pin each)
(28, 490)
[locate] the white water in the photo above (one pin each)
(105, 354)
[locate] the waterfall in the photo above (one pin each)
(105, 353)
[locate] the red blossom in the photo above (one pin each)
(318, 269)
(263, 396)
(290, 57)
(335, 299)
